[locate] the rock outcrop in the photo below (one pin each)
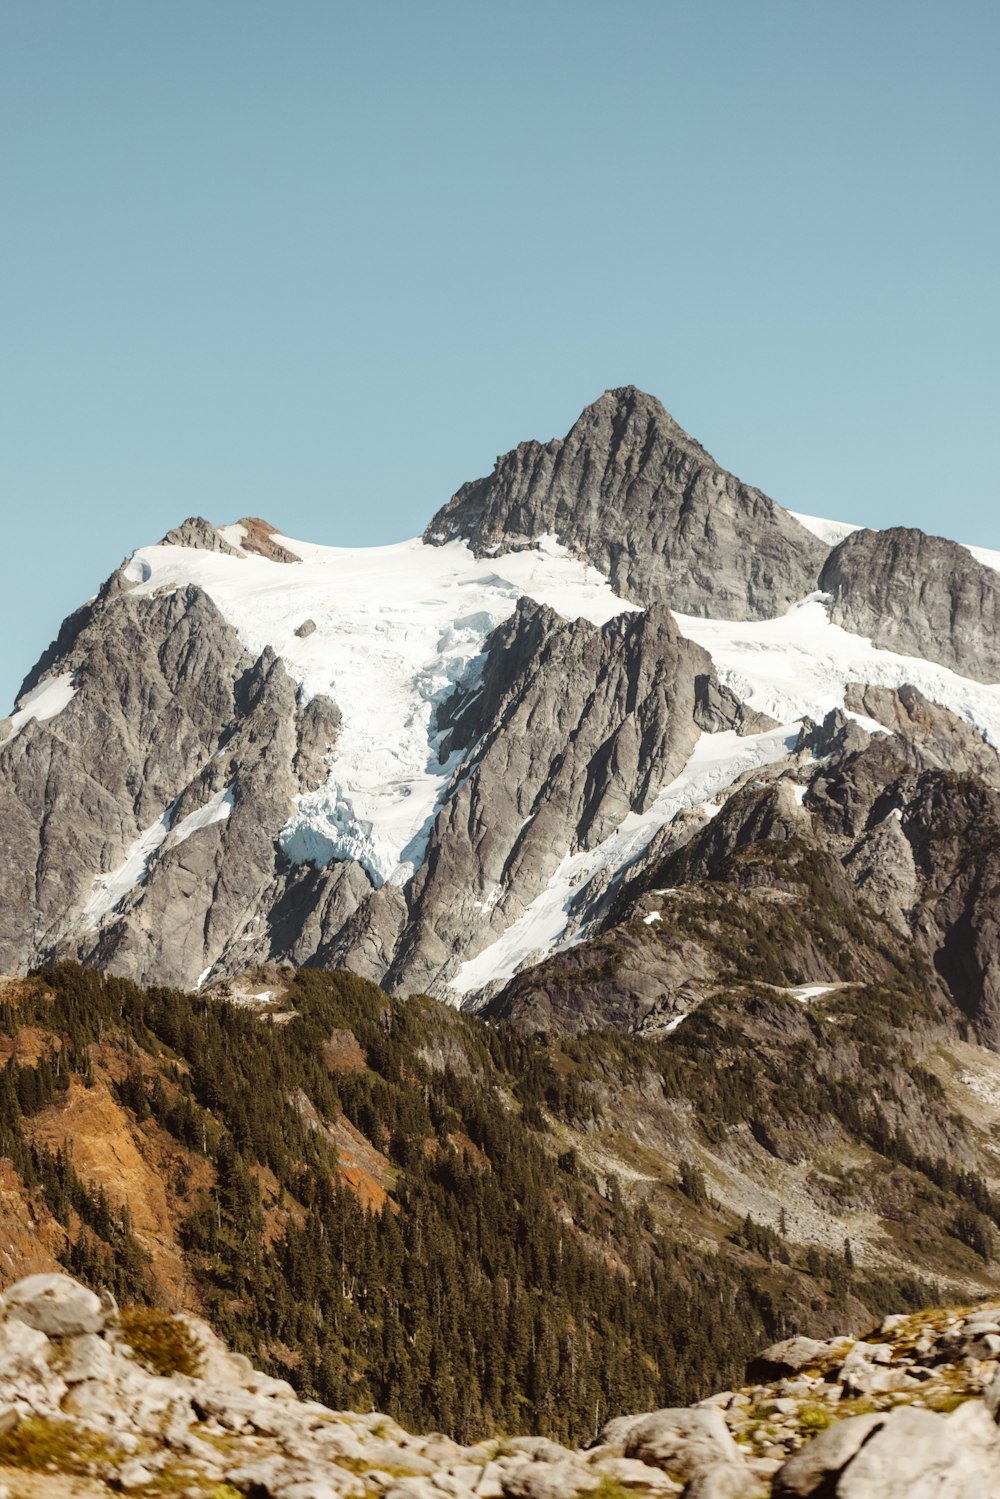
(570, 729)
(628, 490)
(170, 771)
(201, 534)
(147, 1404)
(919, 595)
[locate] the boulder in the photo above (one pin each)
(24, 1352)
(787, 1357)
(724, 1481)
(919, 1455)
(809, 1470)
(527, 1479)
(683, 1441)
(55, 1305)
(907, 1453)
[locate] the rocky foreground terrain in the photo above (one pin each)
(93, 1400)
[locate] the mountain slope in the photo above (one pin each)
(436, 762)
(585, 1203)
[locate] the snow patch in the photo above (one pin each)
(804, 993)
(830, 531)
(834, 531)
(45, 701)
(985, 555)
(870, 725)
(236, 534)
(799, 665)
(653, 916)
(111, 888)
(217, 809)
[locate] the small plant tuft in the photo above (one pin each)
(60, 1446)
(813, 1419)
(164, 1344)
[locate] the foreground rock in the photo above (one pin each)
(82, 1411)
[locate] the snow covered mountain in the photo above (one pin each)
(437, 762)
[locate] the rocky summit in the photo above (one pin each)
(94, 1400)
(439, 762)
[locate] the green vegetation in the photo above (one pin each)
(163, 1343)
(487, 1279)
(37, 1445)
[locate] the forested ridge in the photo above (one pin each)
(495, 1281)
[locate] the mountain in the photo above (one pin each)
(630, 492)
(439, 762)
(692, 805)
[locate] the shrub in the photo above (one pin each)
(163, 1343)
(37, 1444)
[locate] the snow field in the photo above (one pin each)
(798, 666)
(396, 628)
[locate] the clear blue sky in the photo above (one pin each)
(323, 261)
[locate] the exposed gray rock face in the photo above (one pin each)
(573, 728)
(878, 830)
(319, 726)
(937, 739)
(628, 490)
(173, 724)
(155, 684)
(918, 595)
(208, 892)
(201, 534)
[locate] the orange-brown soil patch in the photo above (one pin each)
(342, 1053)
(132, 1163)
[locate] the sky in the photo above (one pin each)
(322, 262)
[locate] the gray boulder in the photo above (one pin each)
(683, 1442)
(54, 1305)
(907, 1453)
(788, 1357)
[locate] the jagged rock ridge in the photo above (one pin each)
(630, 491)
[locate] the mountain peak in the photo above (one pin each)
(625, 409)
(632, 493)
